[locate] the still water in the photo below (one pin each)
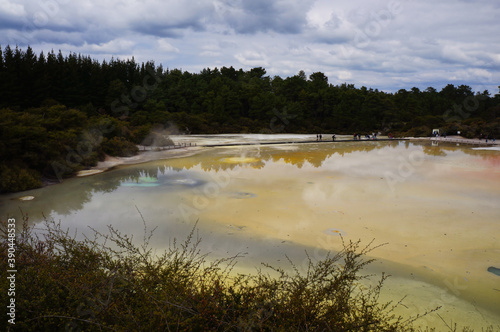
(436, 207)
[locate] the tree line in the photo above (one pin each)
(50, 102)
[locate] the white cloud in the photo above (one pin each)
(165, 46)
(114, 46)
(252, 59)
(344, 75)
(12, 9)
(384, 44)
(454, 53)
(210, 54)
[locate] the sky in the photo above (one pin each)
(381, 44)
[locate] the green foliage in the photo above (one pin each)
(15, 178)
(109, 283)
(217, 101)
(34, 139)
(421, 131)
(119, 147)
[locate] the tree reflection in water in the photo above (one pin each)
(182, 173)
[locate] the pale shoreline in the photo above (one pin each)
(147, 156)
(142, 157)
(456, 139)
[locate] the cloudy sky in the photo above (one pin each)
(384, 44)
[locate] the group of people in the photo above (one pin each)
(436, 134)
(319, 137)
(358, 136)
(487, 137)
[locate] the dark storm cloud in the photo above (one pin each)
(166, 29)
(9, 22)
(170, 18)
(248, 17)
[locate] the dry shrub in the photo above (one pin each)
(108, 282)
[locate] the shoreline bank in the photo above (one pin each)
(152, 155)
(110, 162)
(457, 140)
(188, 150)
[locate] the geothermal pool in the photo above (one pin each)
(436, 207)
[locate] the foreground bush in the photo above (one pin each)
(109, 283)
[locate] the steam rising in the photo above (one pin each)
(159, 135)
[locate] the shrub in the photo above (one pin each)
(119, 147)
(418, 132)
(109, 283)
(15, 178)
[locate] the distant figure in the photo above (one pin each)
(320, 137)
(354, 136)
(333, 137)
(317, 137)
(359, 137)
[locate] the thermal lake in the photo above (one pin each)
(437, 208)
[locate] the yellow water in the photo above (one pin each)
(437, 208)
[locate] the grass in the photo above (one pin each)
(108, 283)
